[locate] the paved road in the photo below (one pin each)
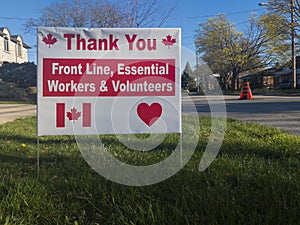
(280, 112)
(276, 111)
(9, 112)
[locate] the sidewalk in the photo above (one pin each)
(10, 112)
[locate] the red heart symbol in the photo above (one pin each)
(149, 114)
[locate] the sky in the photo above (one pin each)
(186, 15)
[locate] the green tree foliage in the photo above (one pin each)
(229, 52)
(278, 24)
(283, 9)
(216, 43)
(188, 78)
(277, 32)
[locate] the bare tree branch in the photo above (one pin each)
(100, 13)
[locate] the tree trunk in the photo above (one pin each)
(223, 82)
(233, 81)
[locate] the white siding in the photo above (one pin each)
(12, 54)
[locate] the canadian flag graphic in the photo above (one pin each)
(73, 114)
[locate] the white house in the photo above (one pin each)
(12, 47)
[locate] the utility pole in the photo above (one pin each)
(197, 73)
(293, 33)
(294, 62)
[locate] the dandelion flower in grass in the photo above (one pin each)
(23, 145)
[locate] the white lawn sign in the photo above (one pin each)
(108, 81)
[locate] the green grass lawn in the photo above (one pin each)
(254, 180)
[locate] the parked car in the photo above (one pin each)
(286, 84)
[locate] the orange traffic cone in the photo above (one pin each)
(246, 91)
(241, 94)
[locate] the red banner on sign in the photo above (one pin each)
(108, 77)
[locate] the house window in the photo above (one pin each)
(6, 44)
(19, 49)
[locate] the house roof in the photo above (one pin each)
(13, 38)
(2, 30)
(26, 46)
(248, 73)
(287, 71)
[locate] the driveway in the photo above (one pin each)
(10, 112)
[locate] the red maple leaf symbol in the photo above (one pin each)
(73, 114)
(49, 40)
(169, 41)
